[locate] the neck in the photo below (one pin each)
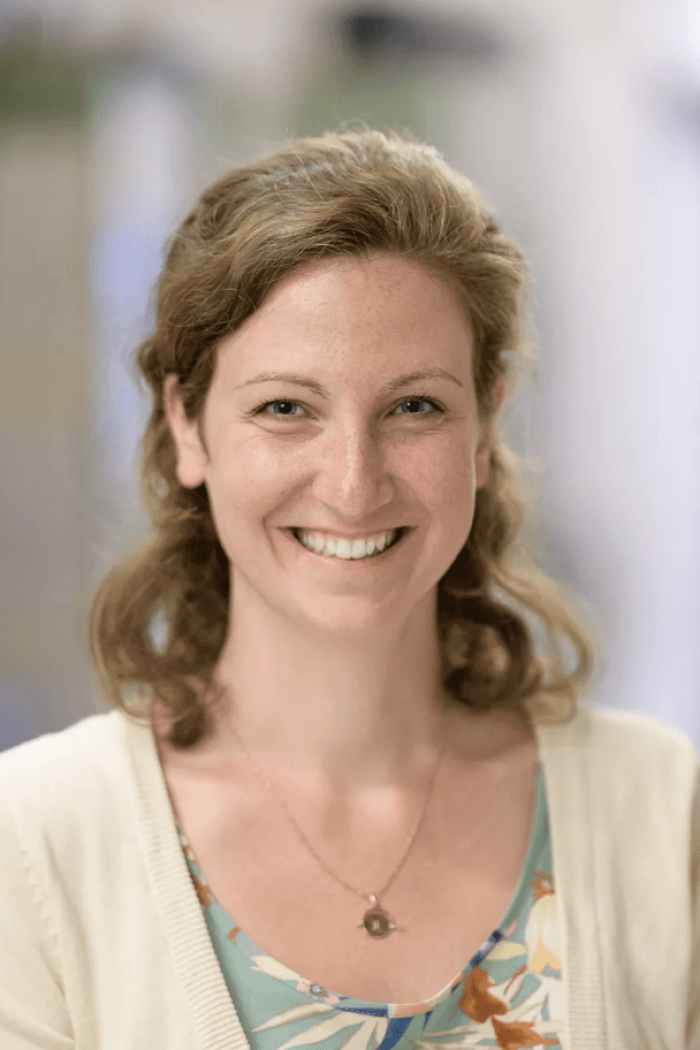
(319, 710)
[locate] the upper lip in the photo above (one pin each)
(347, 535)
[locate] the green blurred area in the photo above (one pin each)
(45, 84)
(39, 83)
(350, 87)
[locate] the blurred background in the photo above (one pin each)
(579, 120)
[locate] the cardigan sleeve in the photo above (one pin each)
(693, 1027)
(33, 1009)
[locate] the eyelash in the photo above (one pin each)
(437, 405)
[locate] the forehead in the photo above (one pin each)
(348, 277)
(369, 309)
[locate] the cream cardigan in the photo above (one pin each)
(103, 944)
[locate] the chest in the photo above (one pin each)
(450, 892)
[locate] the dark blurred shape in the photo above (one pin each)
(39, 81)
(377, 32)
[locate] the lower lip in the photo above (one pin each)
(350, 565)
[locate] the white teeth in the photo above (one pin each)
(346, 549)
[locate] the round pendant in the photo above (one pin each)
(377, 922)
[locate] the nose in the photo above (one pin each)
(354, 476)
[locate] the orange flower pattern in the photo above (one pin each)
(508, 996)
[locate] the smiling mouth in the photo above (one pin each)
(400, 533)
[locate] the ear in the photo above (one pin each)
(191, 456)
(482, 459)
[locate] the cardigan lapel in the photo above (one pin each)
(562, 754)
(207, 1004)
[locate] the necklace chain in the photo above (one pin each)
(373, 898)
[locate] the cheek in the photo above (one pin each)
(444, 487)
(244, 494)
(455, 492)
(458, 510)
(447, 477)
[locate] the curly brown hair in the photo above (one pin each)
(350, 192)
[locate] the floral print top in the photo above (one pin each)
(509, 994)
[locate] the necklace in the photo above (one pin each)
(376, 920)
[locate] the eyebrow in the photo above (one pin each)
(394, 384)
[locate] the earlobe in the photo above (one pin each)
(190, 455)
(499, 395)
(483, 464)
(483, 455)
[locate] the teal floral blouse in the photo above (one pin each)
(509, 995)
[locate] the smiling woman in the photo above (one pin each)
(346, 791)
(375, 285)
(354, 194)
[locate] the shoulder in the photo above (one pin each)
(626, 733)
(75, 740)
(64, 767)
(625, 764)
(66, 799)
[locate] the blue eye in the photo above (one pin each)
(436, 406)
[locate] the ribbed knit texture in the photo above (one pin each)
(207, 999)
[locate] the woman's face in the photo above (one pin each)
(352, 456)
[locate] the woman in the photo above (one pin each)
(344, 801)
